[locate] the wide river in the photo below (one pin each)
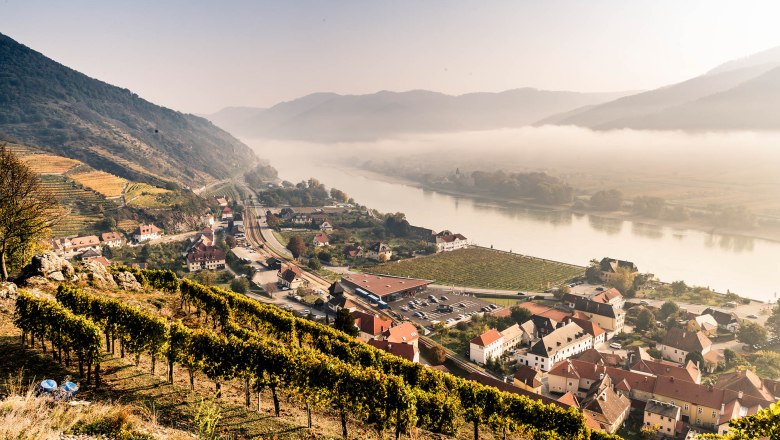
(747, 266)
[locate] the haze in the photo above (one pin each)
(200, 57)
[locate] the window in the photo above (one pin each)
(714, 414)
(686, 407)
(699, 410)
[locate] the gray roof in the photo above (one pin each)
(586, 305)
(548, 345)
(663, 409)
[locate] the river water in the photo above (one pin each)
(747, 266)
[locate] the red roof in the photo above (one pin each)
(144, 229)
(205, 253)
(405, 332)
(382, 285)
(545, 311)
(111, 236)
(406, 351)
(321, 238)
(487, 338)
(371, 324)
(590, 327)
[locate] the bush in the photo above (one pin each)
(240, 285)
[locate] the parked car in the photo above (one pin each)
(752, 316)
(523, 294)
(644, 303)
(444, 298)
(404, 308)
(462, 305)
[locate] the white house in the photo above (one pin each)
(561, 344)
(447, 241)
(146, 232)
(111, 239)
(205, 257)
(488, 345)
(320, 240)
(379, 251)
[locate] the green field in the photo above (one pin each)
(484, 268)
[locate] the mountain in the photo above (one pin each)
(333, 117)
(58, 109)
(737, 95)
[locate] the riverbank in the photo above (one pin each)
(768, 234)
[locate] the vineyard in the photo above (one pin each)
(484, 268)
(142, 195)
(85, 207)
(228, 337)
(226, 189)
(49, 163)
(101, 182)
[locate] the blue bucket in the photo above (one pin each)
(48, 385)
(70, 388)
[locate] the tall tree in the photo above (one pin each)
(751, 333)
(345, 322)
(296, 246)
(27, 211)
(645, 320)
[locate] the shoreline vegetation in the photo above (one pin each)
(768, 234)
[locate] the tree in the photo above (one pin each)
(679, 287)
(240, 285)
(314, 263)
(645, 320)
(593, 272)
(729, 356)
(438, 355)
(623, 280)
(206, 277)
(296, 246)
(345, 322)
(520, 314)
(27, 212)
(695, 357)
(751, 333)
(668, 308)
(273, 221)
(610, 200)
(230, 241)
(773, 322)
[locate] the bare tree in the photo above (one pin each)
(27, 211)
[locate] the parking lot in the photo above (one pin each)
(445, 307)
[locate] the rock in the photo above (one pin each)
(49, 266)
(127, 281)
(7, 290)
(97, 274)
(36, 281)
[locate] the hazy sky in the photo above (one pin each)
(198, 56)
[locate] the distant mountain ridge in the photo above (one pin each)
(742, 94)
(58, 109)
(334, 117)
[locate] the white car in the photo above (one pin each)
(615, 345)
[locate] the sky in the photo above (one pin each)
(197, 56)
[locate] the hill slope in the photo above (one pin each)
(46, 104)
(332, 117)
(737, 95)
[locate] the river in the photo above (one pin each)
(747, 266)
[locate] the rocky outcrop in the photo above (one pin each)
(7, 290)
(127, 281)
(46, 267)
(96, 274)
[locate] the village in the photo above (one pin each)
(653, 365)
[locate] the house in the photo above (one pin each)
(320, 240)
(404, 333)
(336, 289)
(146, 232)
(665, 415)
(290, 276)
(227, 214)
(510, 388)
(577, 376)
(528, 378)
(379, 252)
(407, 351)
(353, 251)
(325, 226)
(337, 303)
(300, 219)
(704, 323)
(690, 372)
(606, 406)
(609, 296)
(513, 336)
(597, 357)
(102, 260)
(60, 245)
(488, 345)
(748, 383)
(221, 201)
(726, 320)
(207, 220)
(205, 237)
(447, 241)
(205, 257)
(611, 268)
(371, 326)
(561, 344)
(84, 243)
(112, 239)
(89, 254)
(607, 316)
(677, 343)
(593, 329)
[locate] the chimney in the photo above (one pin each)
(741, 393)
(722, 408)
(671, 379)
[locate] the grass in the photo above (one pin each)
(101, 182)
(484, 268)
(142, 195)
